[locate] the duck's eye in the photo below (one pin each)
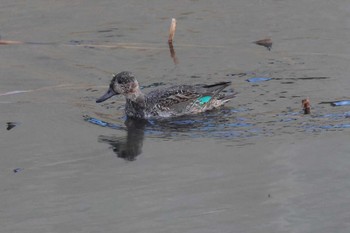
(120, 81)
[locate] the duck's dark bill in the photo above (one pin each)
(106, 96)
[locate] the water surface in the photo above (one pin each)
(256, 165)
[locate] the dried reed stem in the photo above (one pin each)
(172, 30)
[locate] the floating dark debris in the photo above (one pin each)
(238, 74)
(11, 125)
(265, 42)
(16, 170)
(313, 78)
(106, 30)
(90, 89)
(76, 42)
(303, 78)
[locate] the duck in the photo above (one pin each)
(172, 101)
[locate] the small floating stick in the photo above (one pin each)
(172, 30)
(9, 42)
(306, 106)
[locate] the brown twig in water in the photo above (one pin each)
(306, 106)
(172, 30)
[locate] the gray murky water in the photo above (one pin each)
(258, 164)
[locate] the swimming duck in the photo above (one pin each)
(172, 101)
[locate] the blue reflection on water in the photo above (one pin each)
(220, 123)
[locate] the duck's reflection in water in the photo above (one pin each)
(129, 146)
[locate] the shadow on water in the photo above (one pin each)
(130, 146)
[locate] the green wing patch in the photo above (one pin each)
(204, 99)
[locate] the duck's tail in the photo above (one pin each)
(216, 87)
(217, 98)
(226, 98)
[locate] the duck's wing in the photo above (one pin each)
(171, 97)
(180, 98)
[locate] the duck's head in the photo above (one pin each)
(123, 83)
